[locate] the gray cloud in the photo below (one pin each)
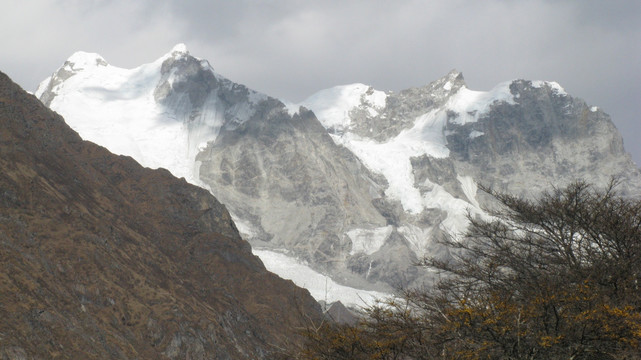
(290, 48)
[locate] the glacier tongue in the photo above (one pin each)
(320, 286)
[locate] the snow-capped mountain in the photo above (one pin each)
(134, 112)
(359, 187)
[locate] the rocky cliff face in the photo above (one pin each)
(102, 258)
(360, 186)
(296, 188)
(544, 138)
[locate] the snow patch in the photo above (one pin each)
(418, 238)
(554, 86)
(470, 105)
(368, 241)
(594, 108)
(456, 209)
(421, 243)
(204, 64)
(202, 146)
(475, 134)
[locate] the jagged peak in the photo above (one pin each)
(455, 75)
(447, 85)
(453, 79)
(178, 52)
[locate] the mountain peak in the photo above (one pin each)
(452, 80)
(179, 49)
(79, 61)
(455, 75)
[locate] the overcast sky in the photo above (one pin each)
(292, 48)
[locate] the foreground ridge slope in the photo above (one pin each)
(102, 258)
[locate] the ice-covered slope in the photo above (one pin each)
(333, 106)
(321, 287)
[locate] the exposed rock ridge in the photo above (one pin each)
(403, 107)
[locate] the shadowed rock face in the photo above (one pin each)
(102, 258)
